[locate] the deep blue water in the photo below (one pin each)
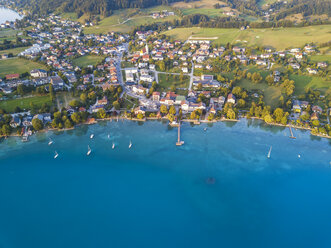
(156, 195)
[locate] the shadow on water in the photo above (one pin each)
(140, 123)
(264, 126)
(230, 123)
(209, 124)
(316, 138)
(81, 130)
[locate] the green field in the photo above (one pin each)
(165, 83)
(303, 82)
(271, 93)
(14, 51)
(24, 103)
(18, 65)
(86, 60)
(126, 20)
(320, 58)
(279, 38)
(208, 12)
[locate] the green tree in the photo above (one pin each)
(76, 118)
(101, 114)
(68, 124)
(6, 130)
(164, 109)
(140, 116)
(37, 124)
(172, 110)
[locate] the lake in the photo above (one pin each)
(8, 15)
(219, 189)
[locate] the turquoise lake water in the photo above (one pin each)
(157, 195)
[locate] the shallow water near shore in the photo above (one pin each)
(158, 195)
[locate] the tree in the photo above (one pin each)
(68, 124)
(269, 79)
(164, 109)
(6, 130)
(241, 103)
(211, 117)
(20, 90)
(172, 110)
(75, 117)
(75, 103)
(315, 123)
(101, 114)
(83, 97)
(278, 114)
(140, 116)
(51, 92)
(116, 105)
(37, 124)
(230, 114)
(268, 118)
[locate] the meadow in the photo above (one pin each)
(24, 103)
(166, 81)
(18, 65)
(278, 38)
(14, 51)
(303, 82)
(86, 60)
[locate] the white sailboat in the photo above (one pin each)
(113, 146)
(269, 153)
(130, 145)
(108, 136)
(56, 155)
(88, 150)
(50, 141)
(92, 136)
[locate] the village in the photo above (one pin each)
(149, 75)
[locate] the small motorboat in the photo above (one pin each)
(113, 146)
(108, 136)
(50, 141)
(56, 155)
(269, 153)
(92, 136)
(88, 151)
(130, 145)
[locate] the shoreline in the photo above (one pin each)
(195, 122)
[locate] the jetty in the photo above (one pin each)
(179, 142)
(291, 136)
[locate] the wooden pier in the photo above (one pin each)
(179, 142)
(291, 136)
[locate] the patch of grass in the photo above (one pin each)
(202, 11)
(271, 93)
(18, 65)
(86, 60)
(14, 51)
(302, 82)
(279, 38)
(24, 103)
(168, 80)
(320, 58)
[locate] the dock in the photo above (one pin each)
(291, 136)
(179, 142)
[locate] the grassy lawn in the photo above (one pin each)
(320, 58)
(86, 60)
(303, 82)
(24, 103)
(271, 93)
(14, 51)
(208, 12)
(166, 81)
(130, 102)
(279, 38)
(17, 65)
(126, 20)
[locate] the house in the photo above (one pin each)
(314, 116)
(139, 89)
(317, 109)
(231, 98)
(139, 110)
(38, 73)
(156, 96)
(12, 76)
(57, 83)
(15, 122)
(103, 101)
(322, 64)
(311, 71)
